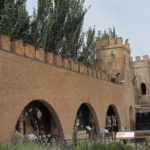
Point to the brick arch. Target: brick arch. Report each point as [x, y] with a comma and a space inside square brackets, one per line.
[94, 115]
[48, 110]
[115, 113]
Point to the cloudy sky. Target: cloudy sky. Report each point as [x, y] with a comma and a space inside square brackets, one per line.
[131, 19]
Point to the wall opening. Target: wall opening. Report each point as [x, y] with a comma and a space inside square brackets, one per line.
[143, 89]
[112, 119]
[86, 123]
[40, 119]
[143, 121]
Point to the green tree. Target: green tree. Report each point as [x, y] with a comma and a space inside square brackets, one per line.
[14, 20]
[88, 54]
[1, 7]
[107, 34]
[73, 36]
[57, 26]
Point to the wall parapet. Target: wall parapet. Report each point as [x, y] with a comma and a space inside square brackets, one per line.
[142, 58]
[112, 43]
[20, 48]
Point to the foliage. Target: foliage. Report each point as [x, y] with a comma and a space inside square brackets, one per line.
[80, 146]
[57, 26]
[107, 34]
[112, 146]
[26, 146]
[88, 53]
[14, 19]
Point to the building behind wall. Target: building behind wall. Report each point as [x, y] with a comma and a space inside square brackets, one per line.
[114, 57]
[141, 67]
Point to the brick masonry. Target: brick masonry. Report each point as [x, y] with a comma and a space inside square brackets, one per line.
[27, 75]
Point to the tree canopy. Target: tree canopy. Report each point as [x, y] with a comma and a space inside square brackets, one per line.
[56, 25]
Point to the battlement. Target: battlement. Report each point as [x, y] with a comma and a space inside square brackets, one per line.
[145, 58]
[112, 43]
[22, 49]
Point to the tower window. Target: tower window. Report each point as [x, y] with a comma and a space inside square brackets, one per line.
[143, 88]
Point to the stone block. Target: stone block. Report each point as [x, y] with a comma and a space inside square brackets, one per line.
[5, 43]
[112, 41]
[71, 65]
[119, 41]
[66, 63]
[89, 71]
[75, 66]
[83, 69]
[59, 60]
[94, 73]
[50, 58]
[104, 76]
[40, 55]
[97, 74]
[19, 48]
[29, 51]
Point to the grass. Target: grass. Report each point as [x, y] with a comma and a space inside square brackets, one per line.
[27, 146]
[112, 146]
[79, 146]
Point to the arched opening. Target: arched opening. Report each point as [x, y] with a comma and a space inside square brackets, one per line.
[39, 118]
[112, 119]
[86, 123]
[143, 89]
[143, 120]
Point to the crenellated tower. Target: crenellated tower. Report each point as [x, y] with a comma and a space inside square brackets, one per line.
[114, 57]
[141, 67]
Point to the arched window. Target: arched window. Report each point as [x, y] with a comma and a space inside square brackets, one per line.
[143, 89]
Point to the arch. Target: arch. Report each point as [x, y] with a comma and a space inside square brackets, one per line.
[39, 118]
[113, 122]
[86, 123]
[143, 89]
